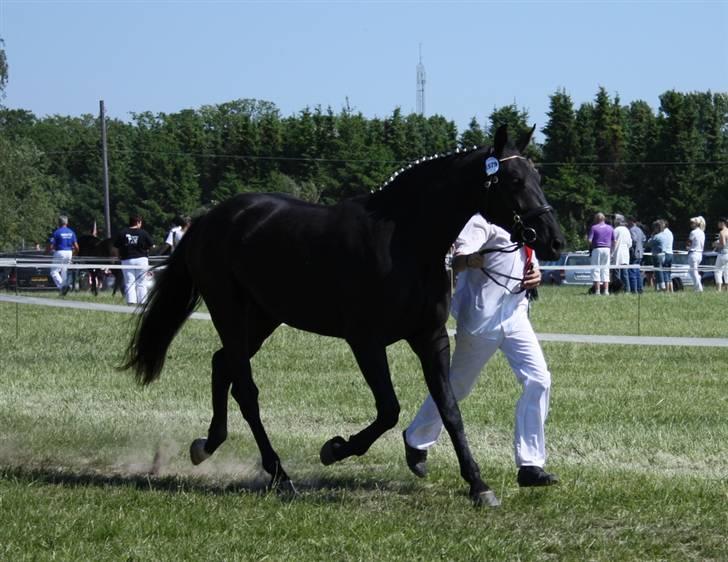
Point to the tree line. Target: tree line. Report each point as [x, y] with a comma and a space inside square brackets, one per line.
[600, 156]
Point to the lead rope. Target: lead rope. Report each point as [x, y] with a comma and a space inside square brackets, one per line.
[531, 294]
[493, 274]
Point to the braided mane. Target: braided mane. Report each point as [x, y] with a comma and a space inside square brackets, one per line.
[404, 172]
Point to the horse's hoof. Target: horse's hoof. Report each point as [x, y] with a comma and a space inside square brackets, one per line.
[285, 489]
[485, 499]
[329, 452]
[197, 451]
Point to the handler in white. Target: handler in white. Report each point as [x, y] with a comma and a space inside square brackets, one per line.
[492, 313]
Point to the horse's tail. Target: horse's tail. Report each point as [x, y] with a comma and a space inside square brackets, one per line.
[170, 302]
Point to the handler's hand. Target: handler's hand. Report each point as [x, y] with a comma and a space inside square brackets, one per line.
[532, 279]
[475, 260]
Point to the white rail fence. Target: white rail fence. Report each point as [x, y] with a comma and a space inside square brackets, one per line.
[572, 338]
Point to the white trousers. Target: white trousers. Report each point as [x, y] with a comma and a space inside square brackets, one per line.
[59, 274]
[526, 358]
[600, 257]
[721, 268]
[694, 259]
[135, 280]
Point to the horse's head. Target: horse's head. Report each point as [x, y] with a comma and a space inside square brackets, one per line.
[513, 199]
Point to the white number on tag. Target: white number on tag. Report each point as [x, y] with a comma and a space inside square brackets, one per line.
[491, 165]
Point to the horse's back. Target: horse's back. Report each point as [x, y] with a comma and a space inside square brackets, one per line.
[325, 269]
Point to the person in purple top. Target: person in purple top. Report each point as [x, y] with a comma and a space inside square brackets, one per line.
[600, 241]
[62, 243]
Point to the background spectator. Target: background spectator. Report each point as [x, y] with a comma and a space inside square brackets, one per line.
[636, 253]
[696, 243]
[721, 262]
[621, 244]
[181, 224]
[600, 241]
[134, 244]
[62, 243]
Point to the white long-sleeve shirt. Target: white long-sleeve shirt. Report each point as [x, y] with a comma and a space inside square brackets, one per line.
[622, 244]
[481, 306]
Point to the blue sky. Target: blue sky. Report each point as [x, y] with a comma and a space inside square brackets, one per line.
[166, 56]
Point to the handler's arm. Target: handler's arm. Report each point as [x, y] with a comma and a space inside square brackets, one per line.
[467, 261]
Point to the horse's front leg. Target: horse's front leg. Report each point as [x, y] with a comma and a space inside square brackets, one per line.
[372, 360]
[433, 350]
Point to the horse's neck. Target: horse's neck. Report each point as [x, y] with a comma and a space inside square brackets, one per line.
[439, 219]
[430, 204]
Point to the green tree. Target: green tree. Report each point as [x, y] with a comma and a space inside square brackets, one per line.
[163, 180]
[357, 170]
[608, 140]
[441, 135]
[473, 135]
[395, 137]
[561, 143]
[518, 127]
[640, 175]
[30, 199]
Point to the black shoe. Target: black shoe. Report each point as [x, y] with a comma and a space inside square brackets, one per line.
[416, 459]
[535, 476]
[65, 290]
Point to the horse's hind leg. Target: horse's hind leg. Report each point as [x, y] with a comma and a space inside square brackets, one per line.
[245, 393]
[222, 379]
[372, 360]
[242, 328]
[201, 449]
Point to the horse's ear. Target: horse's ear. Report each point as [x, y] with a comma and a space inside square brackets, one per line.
[525, 139]
[501, 139]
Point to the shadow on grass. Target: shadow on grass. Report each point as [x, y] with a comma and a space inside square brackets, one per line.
[332, 488]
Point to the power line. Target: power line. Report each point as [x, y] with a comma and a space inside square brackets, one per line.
[369, 161]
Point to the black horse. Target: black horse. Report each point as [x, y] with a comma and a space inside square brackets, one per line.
[259, 260]
[90, 247]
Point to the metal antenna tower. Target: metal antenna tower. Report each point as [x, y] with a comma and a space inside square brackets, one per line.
[421, 85]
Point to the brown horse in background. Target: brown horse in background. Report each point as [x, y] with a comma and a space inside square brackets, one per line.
[97, 250]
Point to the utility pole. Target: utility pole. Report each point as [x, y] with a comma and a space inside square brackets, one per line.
[105, 157]
[421, 85]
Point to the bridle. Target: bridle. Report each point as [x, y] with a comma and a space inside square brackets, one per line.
[520, 232]
[494, 275]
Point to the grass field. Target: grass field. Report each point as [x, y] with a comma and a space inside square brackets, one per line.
[638, 435]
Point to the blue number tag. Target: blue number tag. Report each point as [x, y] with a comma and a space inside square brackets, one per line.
[491, 165]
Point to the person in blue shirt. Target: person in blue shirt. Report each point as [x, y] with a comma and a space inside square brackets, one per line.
[63, 244]
[636, 254]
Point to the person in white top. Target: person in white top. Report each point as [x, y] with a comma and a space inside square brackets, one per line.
[721, 262]
[177, 232]
[696, 244]
[491, 309]
[621, 243]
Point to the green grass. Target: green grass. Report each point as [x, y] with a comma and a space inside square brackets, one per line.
[637, 434]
